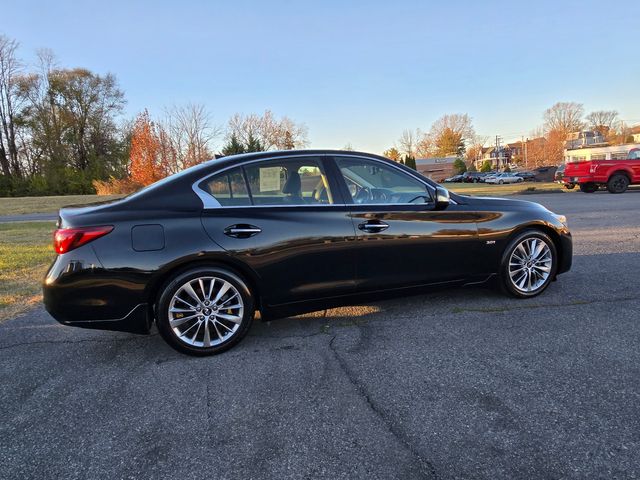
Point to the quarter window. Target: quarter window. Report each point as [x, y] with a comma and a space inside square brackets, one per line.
[288, 182]
[228, 188]
[371, 182]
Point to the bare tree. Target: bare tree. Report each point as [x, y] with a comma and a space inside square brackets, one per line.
[602, 121]
[474, 150]
[458, 123]
[408, 142]
[450, 134]
[186, 134]
[10, 68]
[268, 130]
[564, 117]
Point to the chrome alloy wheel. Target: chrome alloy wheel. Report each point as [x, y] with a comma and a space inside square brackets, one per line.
[530, 264]
[206, 311]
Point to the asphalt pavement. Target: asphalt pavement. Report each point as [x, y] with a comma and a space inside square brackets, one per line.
[459, 384]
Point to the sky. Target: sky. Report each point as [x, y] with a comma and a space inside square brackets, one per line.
[354, 72]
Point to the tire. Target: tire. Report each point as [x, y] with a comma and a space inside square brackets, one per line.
[618, 183]
[537, 274]
[520, 180]
[176, 301]
[500, 182]
[588, 187]
[569, 186]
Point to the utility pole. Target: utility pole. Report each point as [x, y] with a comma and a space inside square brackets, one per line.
[498, 151]
[524, 150]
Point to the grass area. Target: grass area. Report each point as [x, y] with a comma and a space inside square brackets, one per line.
[506, 189]
[21, 205]
[26, 251]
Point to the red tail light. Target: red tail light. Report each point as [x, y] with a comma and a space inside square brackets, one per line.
[66, 239]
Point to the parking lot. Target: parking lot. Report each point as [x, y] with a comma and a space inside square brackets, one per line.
[464, 383]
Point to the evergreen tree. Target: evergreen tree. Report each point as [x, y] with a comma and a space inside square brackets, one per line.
[486, 166]
[410, 162]
[253, 145]
[459, 166]
[233, 147]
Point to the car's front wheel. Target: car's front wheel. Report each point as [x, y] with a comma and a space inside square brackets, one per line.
[204, 311]
[529, 264]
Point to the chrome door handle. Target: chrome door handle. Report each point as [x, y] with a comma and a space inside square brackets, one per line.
[373, 226]
[242, 231]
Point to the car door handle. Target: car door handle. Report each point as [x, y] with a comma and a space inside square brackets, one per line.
[373, 226]
[242, 231]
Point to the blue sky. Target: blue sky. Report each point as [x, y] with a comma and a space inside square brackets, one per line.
[353, 72]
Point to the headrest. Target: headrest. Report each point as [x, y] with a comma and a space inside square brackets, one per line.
[293, 185]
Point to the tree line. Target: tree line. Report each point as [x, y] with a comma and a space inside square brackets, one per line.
[63, 131]
[454, 135]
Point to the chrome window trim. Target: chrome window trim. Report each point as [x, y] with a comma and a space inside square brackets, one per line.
[209, 202]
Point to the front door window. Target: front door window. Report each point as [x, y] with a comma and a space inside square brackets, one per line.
[374, 183]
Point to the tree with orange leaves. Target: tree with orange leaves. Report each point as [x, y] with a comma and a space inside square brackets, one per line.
[145, 167]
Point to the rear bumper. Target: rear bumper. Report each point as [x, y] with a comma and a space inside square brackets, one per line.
[581, 179]
[138, 320]
[78, 291]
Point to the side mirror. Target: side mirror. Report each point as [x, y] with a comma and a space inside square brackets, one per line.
[442, 198]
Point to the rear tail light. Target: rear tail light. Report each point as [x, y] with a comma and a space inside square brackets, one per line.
[66, 239]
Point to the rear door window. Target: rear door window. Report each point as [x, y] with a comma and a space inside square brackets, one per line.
[228, 188]
[296, 181]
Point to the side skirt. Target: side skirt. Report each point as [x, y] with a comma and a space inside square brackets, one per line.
[273, 312]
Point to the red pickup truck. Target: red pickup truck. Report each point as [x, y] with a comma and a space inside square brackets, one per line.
[615, 167]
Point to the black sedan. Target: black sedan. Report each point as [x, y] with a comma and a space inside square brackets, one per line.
[283, 233]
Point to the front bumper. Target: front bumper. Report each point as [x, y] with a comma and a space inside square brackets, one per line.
[566, 254]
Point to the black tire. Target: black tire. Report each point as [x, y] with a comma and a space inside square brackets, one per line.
[618, 183]
[588, 187]
[508, 285]
[500, 182]
[176, 283]
[569, 186]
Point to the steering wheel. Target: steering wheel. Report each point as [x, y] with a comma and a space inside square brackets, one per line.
[363, 195]
[426, 199]
[380, 196]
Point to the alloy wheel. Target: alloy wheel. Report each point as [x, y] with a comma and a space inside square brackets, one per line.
[205, 312]
[530, 264]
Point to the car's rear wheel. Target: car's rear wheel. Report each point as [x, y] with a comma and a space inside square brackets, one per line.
[204, 311]
[588, 187]
[529, 264]
[618, 183]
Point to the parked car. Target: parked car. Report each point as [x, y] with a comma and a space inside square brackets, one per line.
[611, 171]
[454, 179]
[488, 175]
[527, 176]
[504, 178]
[283, 233]
[559, 175]
[472, 177]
